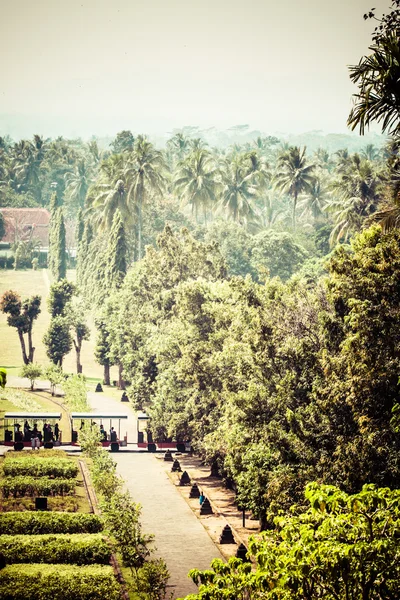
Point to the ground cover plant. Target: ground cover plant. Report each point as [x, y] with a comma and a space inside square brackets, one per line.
[19, 486]
[78, 549]
[36, 523]
[59, 582]
[40, 467]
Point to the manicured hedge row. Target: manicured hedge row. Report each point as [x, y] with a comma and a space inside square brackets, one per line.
[40, 467]
[58, 582]
[78, 549]
[34, 523]
[29, 486]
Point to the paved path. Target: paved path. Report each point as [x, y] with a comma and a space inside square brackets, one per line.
[180, 538]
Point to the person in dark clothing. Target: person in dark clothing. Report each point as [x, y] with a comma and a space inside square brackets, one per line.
[113, 435]
[56, 432]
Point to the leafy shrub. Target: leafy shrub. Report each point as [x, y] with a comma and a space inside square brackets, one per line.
[41, 467]
[78, 549]
[67, 582]
[344, 546]
[29, 486]
[35, 523]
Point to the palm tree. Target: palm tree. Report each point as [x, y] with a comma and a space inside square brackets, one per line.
[378, 76]
[196, 181]
[109, 194]
[370, 152]
[145, 174]
[28, 160]
[315, 200]
[323, 159]
[294, 176]
[356, 196]
[197, 144]
[78, 182]
[178, 145]
[238, 190]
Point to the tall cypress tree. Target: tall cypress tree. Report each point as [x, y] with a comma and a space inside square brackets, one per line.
[83, 249]
[59, 260]
[80, 227]
[116, 252]
[52, 228]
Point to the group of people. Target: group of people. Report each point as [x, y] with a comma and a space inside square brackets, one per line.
[113, 434]
[34, 435]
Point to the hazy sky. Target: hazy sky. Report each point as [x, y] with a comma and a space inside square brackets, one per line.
[89, 66]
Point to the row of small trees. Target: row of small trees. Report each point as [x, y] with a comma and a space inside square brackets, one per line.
[67, 326]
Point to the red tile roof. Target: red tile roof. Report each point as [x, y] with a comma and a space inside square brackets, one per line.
[25, 224]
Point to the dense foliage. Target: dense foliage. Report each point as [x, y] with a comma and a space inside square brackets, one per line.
[340, 547]
[40, 467]
[74, 549]
[66, 582]
[274, 384]
[18, 486]
[36, 523]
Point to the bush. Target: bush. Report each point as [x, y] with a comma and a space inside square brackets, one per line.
[29, 486]
[31, 371]
[40, 467]
[69, 582]
[36, 523]
[78, 549]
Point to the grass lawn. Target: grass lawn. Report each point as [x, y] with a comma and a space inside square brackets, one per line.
[27, 283]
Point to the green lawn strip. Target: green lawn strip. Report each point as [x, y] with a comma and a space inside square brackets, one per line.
[37, 523]
[45, 453]
[77, 549]
[59, 582]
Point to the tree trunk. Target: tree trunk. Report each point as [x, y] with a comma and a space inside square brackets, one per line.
[78, 346]
[30, 347]
[294, 210]
[140, 228]
[106, 378]
[22, 342]
[121, 382]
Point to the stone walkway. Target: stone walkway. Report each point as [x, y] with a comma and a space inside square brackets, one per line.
[180, 538]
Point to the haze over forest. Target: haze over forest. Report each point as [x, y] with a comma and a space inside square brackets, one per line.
[88, 68]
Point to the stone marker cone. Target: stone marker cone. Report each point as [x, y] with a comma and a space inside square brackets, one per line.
[241, 552]
[168, 456]
[194, 492]
[226, 536]
[176, 466]
[185, 479]
[205, 508]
